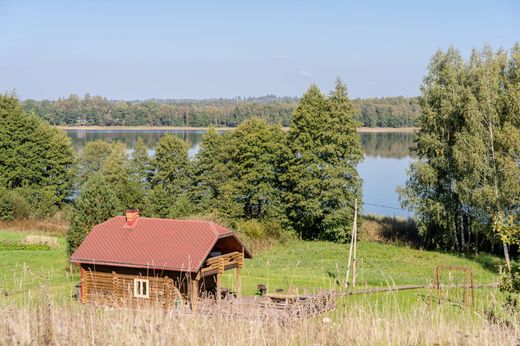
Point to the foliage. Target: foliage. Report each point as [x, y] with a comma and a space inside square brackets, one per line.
[122, 179]
[33, 155]
[509, 284]
[372, 112]
[171, 179]
[254, 155]
[322, 181]
[140, 163]
[465, 186]
[209, 170]
[96, 203]
[92, 159]
[6, 206]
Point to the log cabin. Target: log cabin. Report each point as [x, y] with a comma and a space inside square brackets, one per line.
[131, 260]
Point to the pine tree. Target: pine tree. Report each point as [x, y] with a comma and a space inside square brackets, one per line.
[254, 154]
[118, 174]
[322, 180]
[171, 178]
[33, 155]
[209, 170]
[95, 204]
[92, 159]
[141, 163]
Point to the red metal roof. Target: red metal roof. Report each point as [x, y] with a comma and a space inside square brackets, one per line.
[167, 244]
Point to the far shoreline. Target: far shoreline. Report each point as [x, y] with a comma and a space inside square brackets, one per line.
[193, 128]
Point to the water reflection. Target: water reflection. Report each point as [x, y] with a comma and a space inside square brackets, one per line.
[385, 145]
[394, 145]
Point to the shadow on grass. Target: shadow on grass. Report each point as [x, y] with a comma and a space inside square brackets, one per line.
[388, 229]
[487, 262]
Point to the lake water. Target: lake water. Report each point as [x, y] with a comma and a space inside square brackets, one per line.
[387, 156]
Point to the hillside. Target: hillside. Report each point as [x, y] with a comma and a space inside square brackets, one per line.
[299, 264]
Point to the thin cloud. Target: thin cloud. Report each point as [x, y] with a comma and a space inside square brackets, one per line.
[304, 73]
[281, 58]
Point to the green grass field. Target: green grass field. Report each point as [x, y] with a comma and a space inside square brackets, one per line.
[318, 265]
[295, 265]
[37, 287]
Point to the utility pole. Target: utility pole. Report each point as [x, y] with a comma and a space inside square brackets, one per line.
[352, 247]
[354, 262]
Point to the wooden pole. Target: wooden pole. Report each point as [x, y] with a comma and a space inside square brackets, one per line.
[438, 283]
[218, 291]
[351, 246]
[194, 293]
[354, 263]
[472, 288]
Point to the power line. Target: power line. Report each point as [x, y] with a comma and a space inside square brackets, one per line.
[381, 206]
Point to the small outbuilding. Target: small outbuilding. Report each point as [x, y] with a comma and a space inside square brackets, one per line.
[129, 260]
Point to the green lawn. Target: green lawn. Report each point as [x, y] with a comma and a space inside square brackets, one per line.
[22, 271]
[315, 265]
[299, 264]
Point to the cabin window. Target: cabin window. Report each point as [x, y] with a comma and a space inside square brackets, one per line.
[141, 288]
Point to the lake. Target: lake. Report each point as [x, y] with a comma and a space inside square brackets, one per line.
[387, 156]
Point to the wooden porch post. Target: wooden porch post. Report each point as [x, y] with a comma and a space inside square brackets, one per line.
[218, 292]
[237, 278]
[82, 287]
[237, 274]
[194, 292]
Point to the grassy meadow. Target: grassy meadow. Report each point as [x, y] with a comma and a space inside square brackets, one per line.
[37, 287]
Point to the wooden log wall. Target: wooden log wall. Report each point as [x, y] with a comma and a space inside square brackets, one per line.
[116, 289]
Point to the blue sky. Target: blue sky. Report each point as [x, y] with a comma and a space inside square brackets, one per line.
[200, 49]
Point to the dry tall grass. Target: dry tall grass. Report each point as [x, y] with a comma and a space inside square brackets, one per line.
[44, 322]
[51, 242]
[52, 226]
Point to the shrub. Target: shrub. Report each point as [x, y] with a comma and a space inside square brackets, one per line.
[266, 232]
[6, 206]
[252, 229]
[21, 206]
[43, 200]
[13, 206]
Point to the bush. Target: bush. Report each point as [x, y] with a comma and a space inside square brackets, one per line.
[263, 230]
[252, 229]
[13, 206]
[6, 206]
[21, 206]
[43, 200]
[507, 312]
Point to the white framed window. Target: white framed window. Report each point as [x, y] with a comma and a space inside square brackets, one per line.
[141, 288]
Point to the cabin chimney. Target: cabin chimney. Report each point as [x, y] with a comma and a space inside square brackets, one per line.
[131, 216]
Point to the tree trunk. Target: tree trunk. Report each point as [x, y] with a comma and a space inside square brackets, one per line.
[506, 256]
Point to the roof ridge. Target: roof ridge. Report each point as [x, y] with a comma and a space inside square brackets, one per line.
[170, 219]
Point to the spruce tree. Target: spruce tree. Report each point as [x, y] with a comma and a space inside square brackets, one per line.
[209, 170]
[255, 154]
[96, 203]
[33, 155]
[171, 178]
[92, 159]
[127, 187]
[322, 180]
[140, 163]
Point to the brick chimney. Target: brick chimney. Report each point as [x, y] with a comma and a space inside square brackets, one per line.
[131, 215]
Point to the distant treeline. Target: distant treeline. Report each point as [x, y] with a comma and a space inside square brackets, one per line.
[99, 111]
